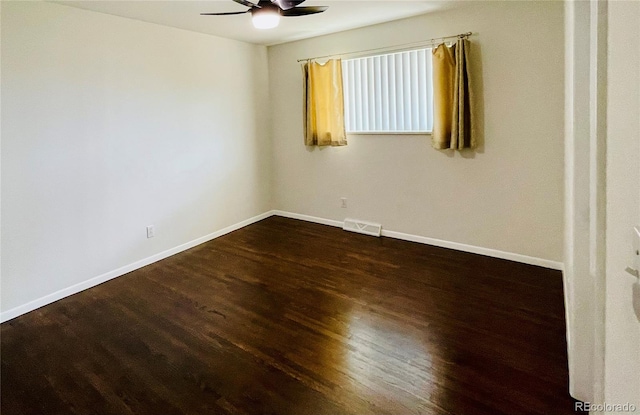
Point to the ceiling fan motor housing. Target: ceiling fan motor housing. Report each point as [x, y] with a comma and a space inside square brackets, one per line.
[265, 6]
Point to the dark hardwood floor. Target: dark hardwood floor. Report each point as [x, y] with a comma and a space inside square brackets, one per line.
[288, 317]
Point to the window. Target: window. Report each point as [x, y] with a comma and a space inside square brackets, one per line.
[390, 93]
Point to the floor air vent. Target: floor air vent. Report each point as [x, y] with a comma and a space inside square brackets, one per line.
[360, 226]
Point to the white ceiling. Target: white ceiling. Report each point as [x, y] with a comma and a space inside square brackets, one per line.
[185, 14]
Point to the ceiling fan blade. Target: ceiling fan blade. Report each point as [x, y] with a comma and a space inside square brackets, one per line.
[245, 3]
[287, 4]
[303, 11]
[224, 13]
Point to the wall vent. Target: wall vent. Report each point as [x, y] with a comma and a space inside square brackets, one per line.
[361, 226]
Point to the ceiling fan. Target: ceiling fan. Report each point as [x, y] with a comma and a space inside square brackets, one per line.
[266, 13]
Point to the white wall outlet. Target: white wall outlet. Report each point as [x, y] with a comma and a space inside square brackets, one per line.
[343, 202]
[151, 231]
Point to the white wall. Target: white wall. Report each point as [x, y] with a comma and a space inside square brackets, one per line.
[508, 197]
[110, 125]
[623, 201]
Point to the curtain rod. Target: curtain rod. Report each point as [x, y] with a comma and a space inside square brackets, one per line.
[392, 48]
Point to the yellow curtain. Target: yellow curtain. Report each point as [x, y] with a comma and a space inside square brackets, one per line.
[323, 104]
[453, 110]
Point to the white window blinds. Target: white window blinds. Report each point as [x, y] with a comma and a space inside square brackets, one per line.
[389, 93]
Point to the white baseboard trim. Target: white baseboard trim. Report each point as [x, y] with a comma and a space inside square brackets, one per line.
[307, 218]
[76, 288]
[525, 259]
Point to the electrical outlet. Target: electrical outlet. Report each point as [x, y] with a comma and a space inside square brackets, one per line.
[151, 231]
[343, 201]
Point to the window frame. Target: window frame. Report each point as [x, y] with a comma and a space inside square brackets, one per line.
[428, 90]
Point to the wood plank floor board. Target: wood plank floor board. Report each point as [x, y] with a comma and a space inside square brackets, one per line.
[289, 317]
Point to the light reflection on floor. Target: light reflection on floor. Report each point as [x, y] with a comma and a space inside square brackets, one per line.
[383, 355]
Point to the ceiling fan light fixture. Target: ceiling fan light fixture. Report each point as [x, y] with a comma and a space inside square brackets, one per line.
[266, 18]
[266, 13]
